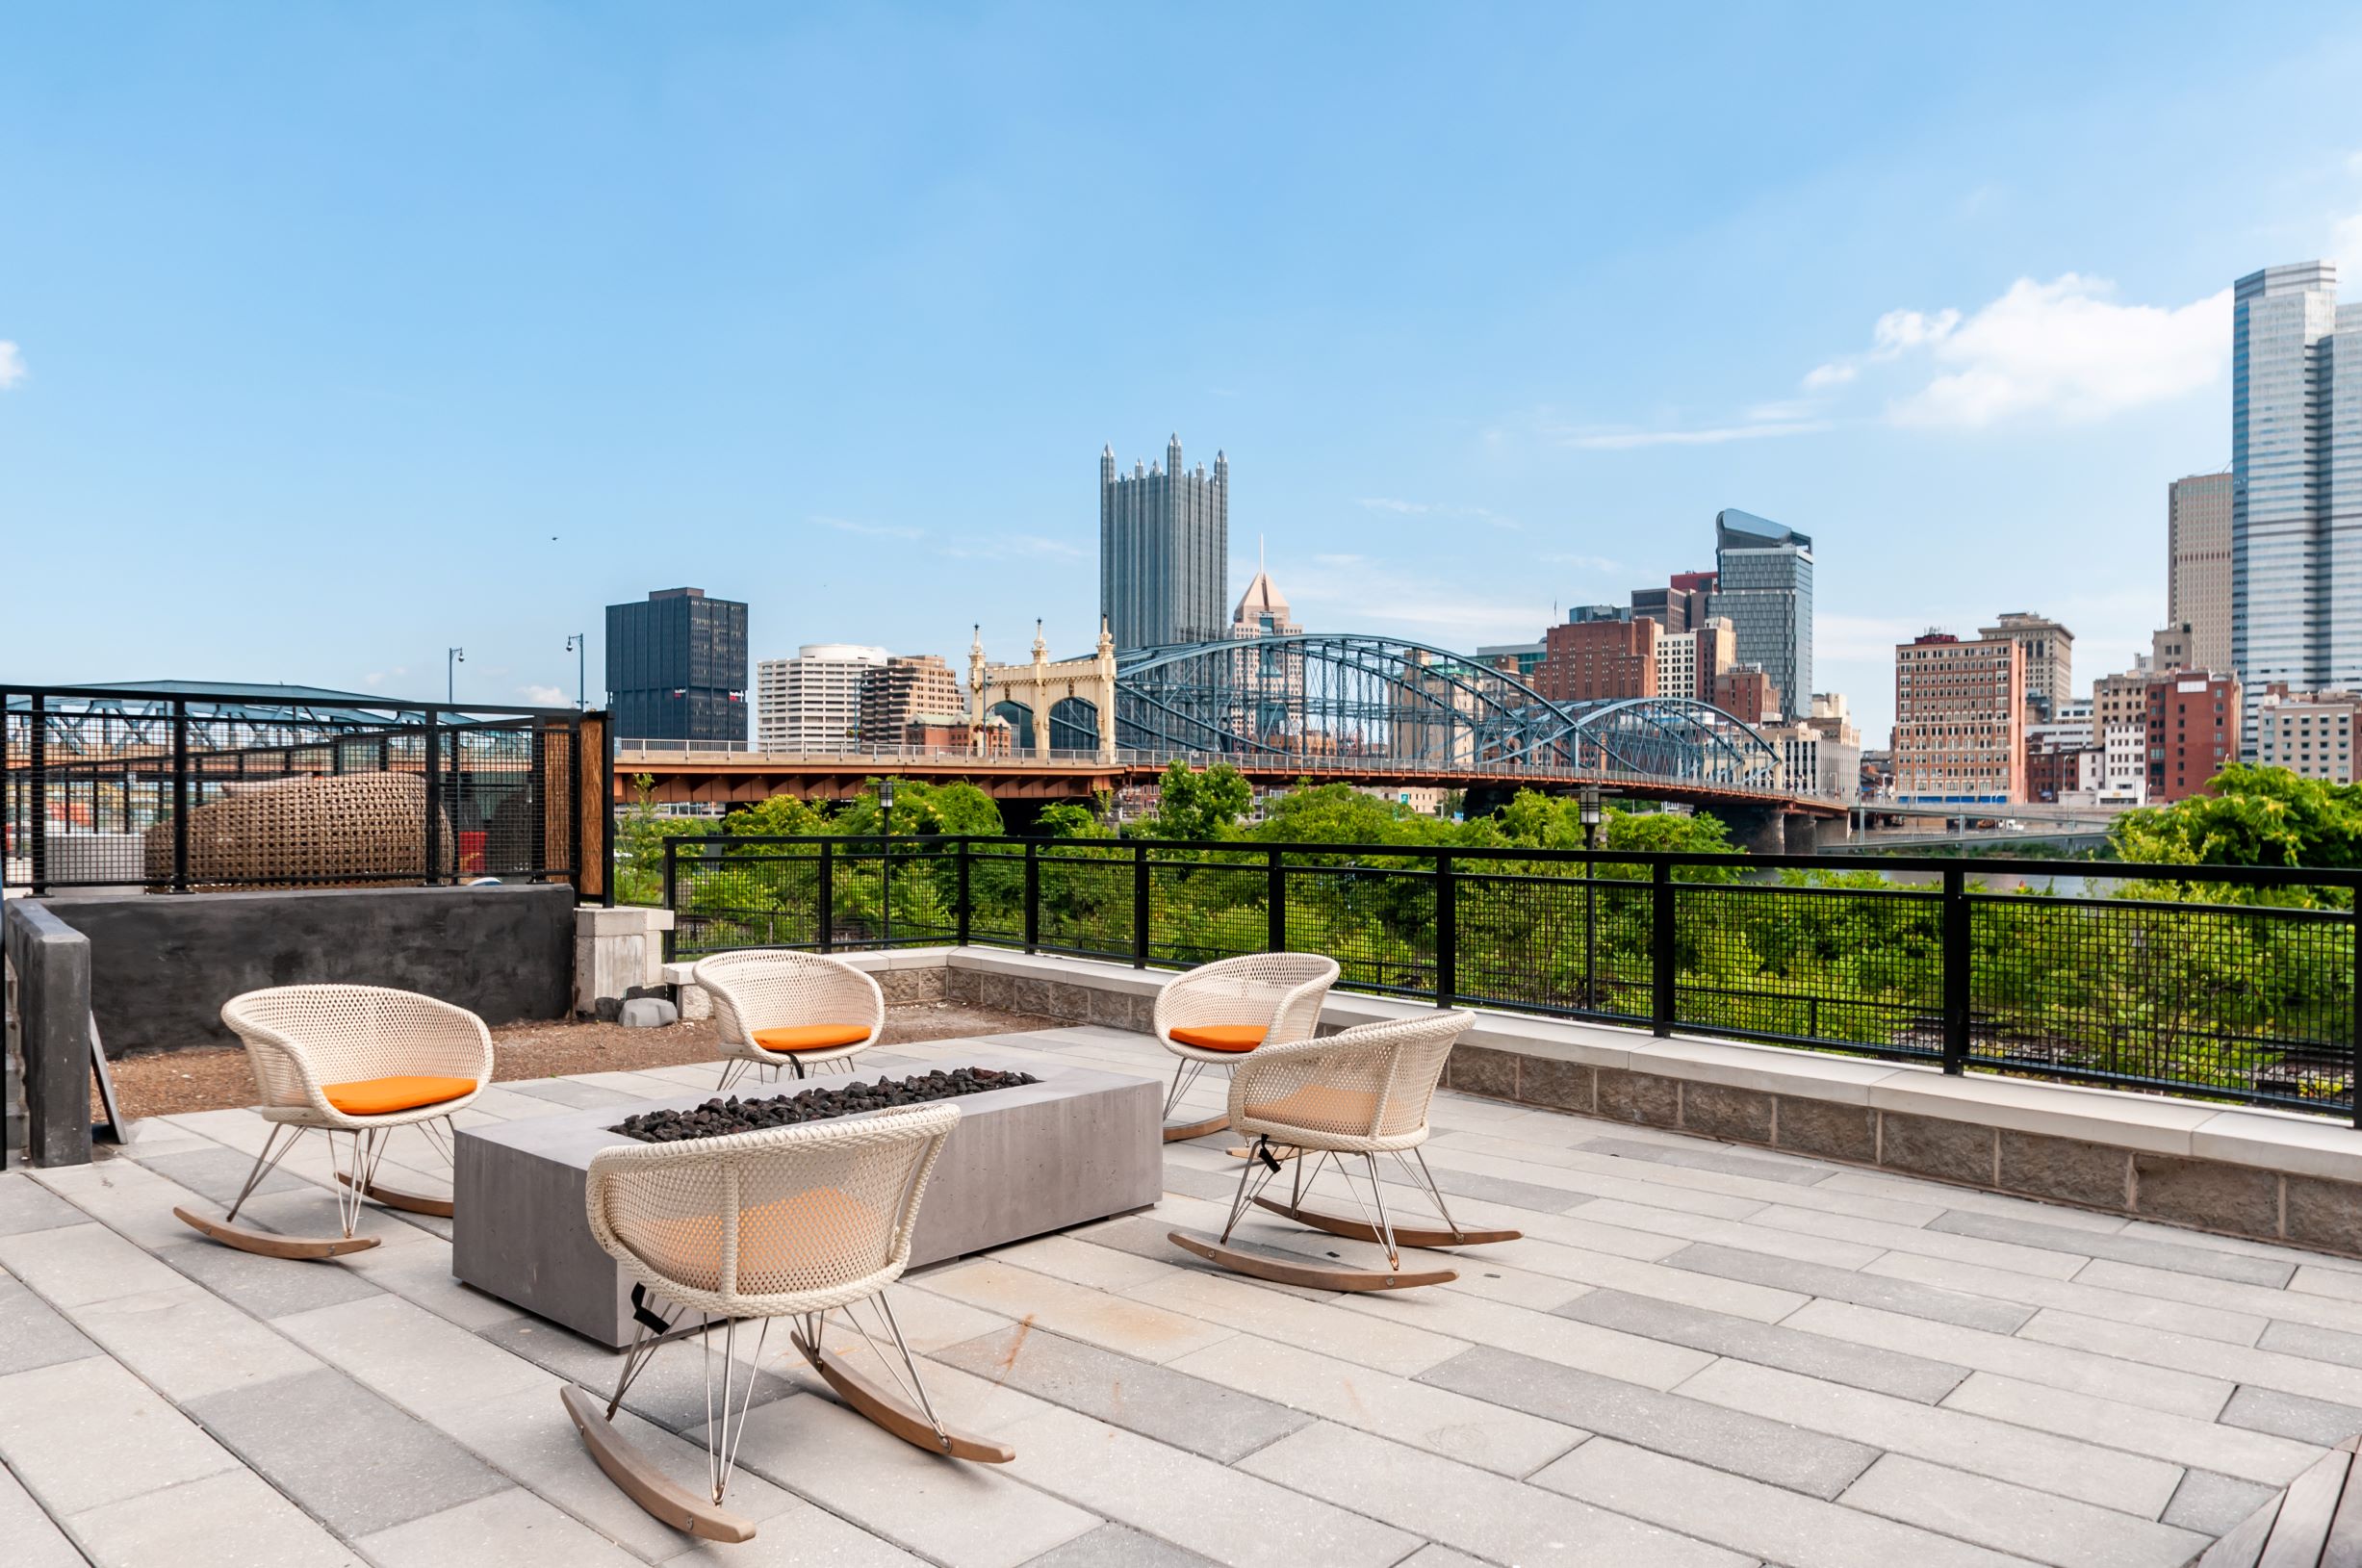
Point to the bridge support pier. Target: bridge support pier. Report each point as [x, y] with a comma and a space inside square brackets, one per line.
[1801, 833]
[1754, 828]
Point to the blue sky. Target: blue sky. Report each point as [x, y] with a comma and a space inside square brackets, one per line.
[333, 336]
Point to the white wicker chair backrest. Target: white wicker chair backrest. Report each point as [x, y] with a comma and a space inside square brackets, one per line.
[1284, 991]
[777, 988]
[1373, 1081]
[342, 1034]
[757, 1220]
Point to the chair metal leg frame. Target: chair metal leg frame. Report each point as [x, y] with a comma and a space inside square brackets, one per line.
[904, 1410]
[439, 1135]
[368, 1148]
[639, 1479]
[722, 1440]
[1295, 1269]
[1185, 1075]
[736, 1067]
[1450, 1233]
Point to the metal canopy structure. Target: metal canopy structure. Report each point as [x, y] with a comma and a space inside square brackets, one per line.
[104, 720]
[1344, 695]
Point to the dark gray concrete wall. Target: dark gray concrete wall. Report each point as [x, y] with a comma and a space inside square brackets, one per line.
[161, 965]
[52, 962]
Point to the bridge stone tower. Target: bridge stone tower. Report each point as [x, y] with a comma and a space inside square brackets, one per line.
[1036, 692]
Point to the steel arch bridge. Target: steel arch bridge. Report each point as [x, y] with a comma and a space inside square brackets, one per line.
[1340, 695]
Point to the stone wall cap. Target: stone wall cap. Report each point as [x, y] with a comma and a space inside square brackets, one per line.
[1774, 1070]
[2146, 1122]
[2287, 1141]
[2272, 1139]
[623, 921]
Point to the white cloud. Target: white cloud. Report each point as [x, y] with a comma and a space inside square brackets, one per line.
[1424, 508]
[1370, 595]
[543, 696]
[12, 365]
[1599, 440]
[870, 531]
[2345, 244]
[1861, 637]
[1589, 563]
[1031, 545]
[2065, 347]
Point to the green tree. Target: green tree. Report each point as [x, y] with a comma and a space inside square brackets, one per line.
[1193, 805]
[2250, 816]
[1338, 813]
[640, 833]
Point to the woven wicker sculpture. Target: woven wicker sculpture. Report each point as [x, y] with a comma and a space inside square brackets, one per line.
[355, 827]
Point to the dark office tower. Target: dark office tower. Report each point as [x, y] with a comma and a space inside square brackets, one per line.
[1763, 584]
[1165, 550]
[676, 667]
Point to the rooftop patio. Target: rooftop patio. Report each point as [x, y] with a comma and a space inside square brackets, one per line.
[1698, 1354]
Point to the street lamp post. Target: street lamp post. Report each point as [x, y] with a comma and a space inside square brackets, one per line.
[885, 862]
[1590, 808]
[453, 658]
[578, 645]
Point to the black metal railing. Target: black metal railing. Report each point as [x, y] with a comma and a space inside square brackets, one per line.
[187, 790]
[2230, 983]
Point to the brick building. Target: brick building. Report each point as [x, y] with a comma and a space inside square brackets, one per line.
[1745, 692]
[2192, 731]
[1592, 660]
[903, 688]
[1959, 714]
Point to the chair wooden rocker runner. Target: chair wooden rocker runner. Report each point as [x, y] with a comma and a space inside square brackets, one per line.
[1216, 1013]
[355, 1063]
[774, 1009]
[786, 1222]
[1361, 1092]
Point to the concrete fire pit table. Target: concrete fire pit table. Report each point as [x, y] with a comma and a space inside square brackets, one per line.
[1076, 1146]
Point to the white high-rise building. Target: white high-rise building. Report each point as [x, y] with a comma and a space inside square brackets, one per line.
[2296, 482]
[813, 703]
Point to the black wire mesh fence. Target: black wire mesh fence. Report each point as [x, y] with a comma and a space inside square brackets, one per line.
[180, 790]
[2232, 983]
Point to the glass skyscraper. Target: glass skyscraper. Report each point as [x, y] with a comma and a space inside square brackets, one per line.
[2296, 481]
[676, 667]
[1165, 550]
[1764, 583]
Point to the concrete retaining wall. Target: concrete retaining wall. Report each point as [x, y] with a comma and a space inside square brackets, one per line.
[161, 965]
[49, 971]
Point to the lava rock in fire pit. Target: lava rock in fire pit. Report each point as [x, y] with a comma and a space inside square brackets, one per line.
[720, 1117]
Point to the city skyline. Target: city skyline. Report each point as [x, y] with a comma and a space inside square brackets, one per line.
[313, 316]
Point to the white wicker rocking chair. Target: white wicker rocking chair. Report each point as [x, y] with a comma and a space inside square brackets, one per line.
[1215, 1015]
[785, 1222]
[775, 1007]
[358, 1061]
[1313, 1103]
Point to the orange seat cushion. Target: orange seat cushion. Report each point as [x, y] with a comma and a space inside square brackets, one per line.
[383, 1096]
[805, 1241]
[1319, 1107]
[811, 1037]
[1220, 1037]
